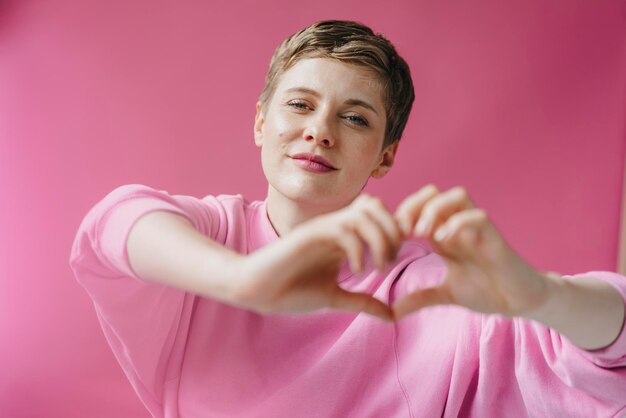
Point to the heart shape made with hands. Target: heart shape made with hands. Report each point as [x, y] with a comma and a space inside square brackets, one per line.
[484, 273]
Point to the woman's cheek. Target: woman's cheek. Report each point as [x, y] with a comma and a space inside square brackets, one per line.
[284, 128]
[369, 147]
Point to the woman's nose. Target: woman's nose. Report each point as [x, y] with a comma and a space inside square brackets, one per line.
[319, 131]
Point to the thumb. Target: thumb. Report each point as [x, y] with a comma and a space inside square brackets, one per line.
[438, 295]
[361, 302]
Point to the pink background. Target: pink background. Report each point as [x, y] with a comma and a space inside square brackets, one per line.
[523, 103]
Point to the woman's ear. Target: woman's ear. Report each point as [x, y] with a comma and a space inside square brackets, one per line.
[259, 120]
[387, 158]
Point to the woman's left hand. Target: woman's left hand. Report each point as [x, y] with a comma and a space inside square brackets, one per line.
[484, 273]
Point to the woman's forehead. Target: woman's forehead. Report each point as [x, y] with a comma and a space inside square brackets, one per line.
[331, 77]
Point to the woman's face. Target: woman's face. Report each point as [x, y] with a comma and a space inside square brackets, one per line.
[323, 108]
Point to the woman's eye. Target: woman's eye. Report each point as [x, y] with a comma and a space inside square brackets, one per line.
[298, 105]
[357, 120]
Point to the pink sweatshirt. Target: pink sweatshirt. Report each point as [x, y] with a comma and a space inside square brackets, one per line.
[188, 356]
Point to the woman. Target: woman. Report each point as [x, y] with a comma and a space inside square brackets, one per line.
[201, 301]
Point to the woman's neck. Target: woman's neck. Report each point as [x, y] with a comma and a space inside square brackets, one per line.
[285, 214]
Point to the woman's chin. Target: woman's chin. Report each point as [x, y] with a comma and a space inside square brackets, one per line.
[314, 195]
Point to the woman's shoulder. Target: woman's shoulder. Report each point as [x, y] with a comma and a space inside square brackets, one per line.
[233, 200]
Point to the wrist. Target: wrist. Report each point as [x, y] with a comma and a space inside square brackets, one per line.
[554, 291]
[254, 279]
[236, 278]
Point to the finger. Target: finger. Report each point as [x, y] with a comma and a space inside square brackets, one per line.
[438, 295]
[463, 230]
[369, 230]
[470, 234]
[374, 236]
[362, 302]
[377, 211]
[438, 209]
[408, 212]
[352, 246]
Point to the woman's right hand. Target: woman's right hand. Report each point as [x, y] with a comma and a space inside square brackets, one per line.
[298, 273]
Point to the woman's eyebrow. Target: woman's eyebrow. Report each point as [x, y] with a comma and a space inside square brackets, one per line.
[303, 90]
[351, 102]
[357, 102]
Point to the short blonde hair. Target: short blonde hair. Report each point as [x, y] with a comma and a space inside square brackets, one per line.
[356, 44]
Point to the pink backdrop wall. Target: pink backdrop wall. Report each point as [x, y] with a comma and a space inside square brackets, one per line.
[523, 103]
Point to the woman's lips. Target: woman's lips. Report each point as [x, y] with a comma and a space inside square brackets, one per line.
[313, 163]
[312, 166]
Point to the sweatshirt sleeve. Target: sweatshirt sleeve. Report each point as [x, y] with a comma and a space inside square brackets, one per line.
[594, 381]
[143, 321]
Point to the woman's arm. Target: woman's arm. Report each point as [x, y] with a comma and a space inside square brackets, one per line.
[588, 311]
[164, 247]
[295, 274]
[486, 275]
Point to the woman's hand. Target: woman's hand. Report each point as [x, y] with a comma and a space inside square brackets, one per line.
[484, 272]
[298, 273]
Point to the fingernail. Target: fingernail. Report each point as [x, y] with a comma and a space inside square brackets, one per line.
[406, 229]
[441, 234]
[422, 227]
